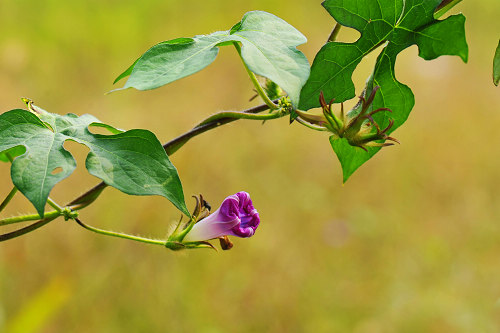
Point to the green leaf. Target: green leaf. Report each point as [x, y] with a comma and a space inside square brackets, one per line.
[133, 161]
[177, 41]
[170, 61]
[434, 41]
[268, 49]
[126, 73]
[395, 25]
[9, 154]
[496, 66]
[350, 159]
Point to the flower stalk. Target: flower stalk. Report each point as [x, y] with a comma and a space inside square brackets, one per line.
[255, 82]
[119, 234]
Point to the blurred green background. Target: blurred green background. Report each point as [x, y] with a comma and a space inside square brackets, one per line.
[411, 243]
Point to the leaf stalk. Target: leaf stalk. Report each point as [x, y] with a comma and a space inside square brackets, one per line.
[444, 7]
[54, 205]
[335, 32]
[255, 82]
[7, 199]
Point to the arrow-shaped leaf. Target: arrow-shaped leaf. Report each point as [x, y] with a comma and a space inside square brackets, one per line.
[133, 161]
[396, 25]
[268, 49]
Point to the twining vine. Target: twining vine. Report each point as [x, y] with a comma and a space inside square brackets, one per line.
[136, 163]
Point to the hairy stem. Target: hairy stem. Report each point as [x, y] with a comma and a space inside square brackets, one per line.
[173, 145]
[30, 217]
[9, 197]
[120, 235]
[241, 115]
[255, 82]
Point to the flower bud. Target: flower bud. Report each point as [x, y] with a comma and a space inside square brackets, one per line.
[356, 126]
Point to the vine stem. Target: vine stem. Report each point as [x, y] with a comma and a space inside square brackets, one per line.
[120, 235]
[30, 217]
[170, 147]
[241, 115]
[27, 229]
[8, 198]
[175, 144]
[255, 82]
[92, 194]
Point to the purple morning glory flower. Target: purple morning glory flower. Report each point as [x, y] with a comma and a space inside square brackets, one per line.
[235, 217]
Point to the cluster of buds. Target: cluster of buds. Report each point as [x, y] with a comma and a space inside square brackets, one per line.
[236, 216]
[356, 125]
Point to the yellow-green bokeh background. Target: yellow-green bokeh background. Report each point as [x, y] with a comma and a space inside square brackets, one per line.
[410, 244]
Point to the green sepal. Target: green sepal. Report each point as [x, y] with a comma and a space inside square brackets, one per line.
[176, 246]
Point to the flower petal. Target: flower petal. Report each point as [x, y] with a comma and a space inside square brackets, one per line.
[236, 216]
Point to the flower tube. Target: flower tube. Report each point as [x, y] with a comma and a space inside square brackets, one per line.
[235, 217]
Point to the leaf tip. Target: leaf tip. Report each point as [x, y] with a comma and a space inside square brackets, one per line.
[40, 209]
[115, 90]
[346, 174]
[117, 79]
[465, 55]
